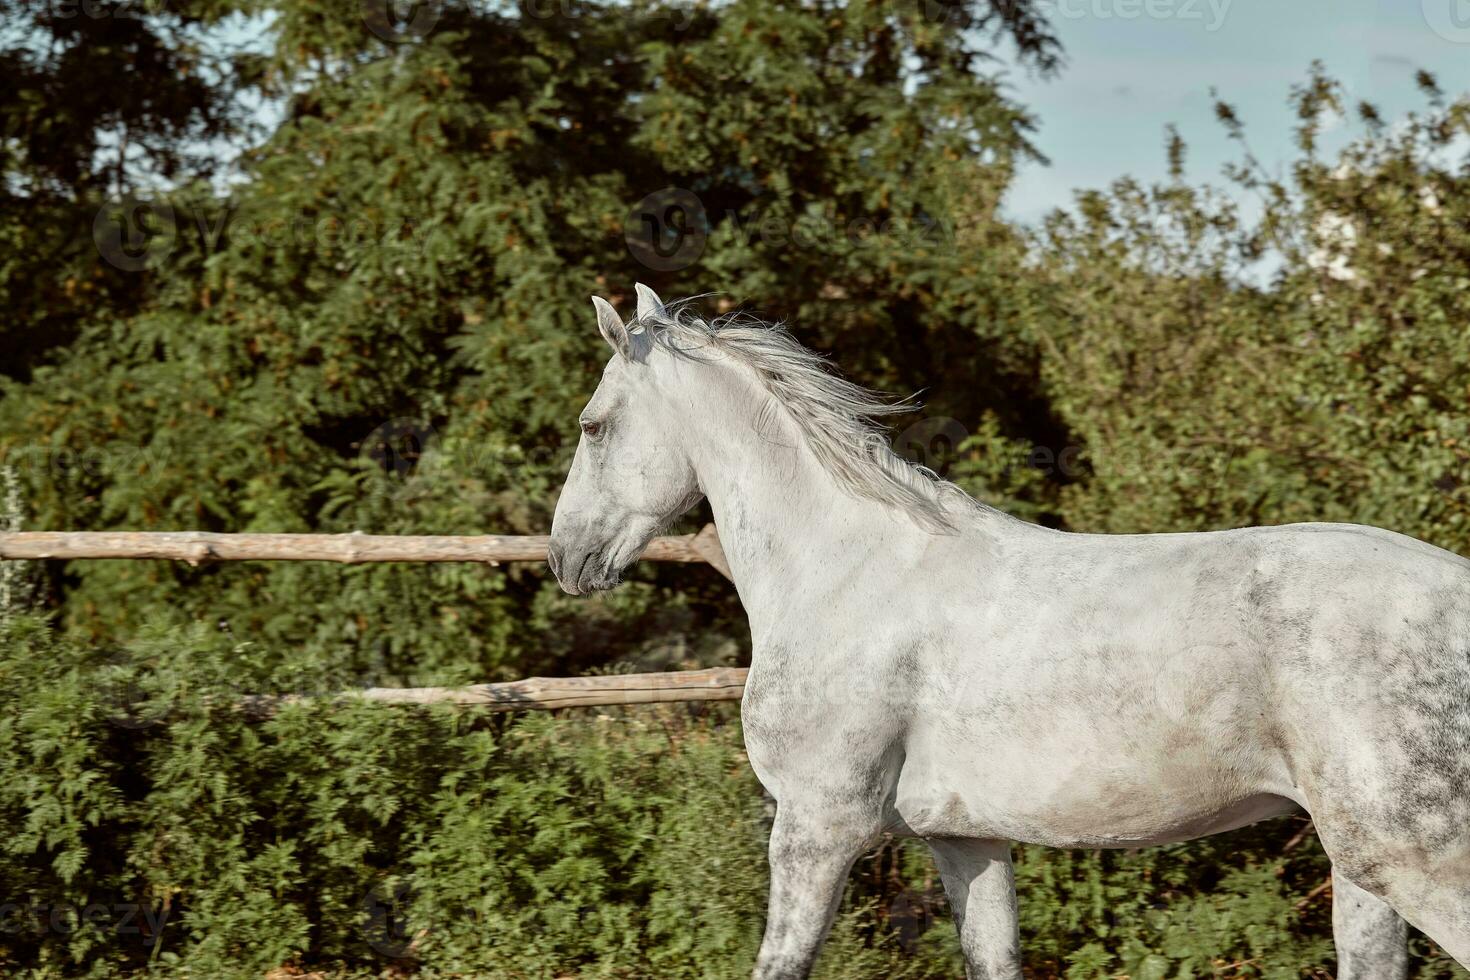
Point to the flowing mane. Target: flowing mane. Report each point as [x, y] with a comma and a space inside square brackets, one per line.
[839, 420]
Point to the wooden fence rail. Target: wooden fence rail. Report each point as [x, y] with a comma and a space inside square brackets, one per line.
[197, 547]
[544, 693]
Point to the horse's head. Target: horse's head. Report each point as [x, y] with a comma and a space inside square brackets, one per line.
[630, 476]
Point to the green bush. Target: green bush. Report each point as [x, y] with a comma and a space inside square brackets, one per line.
[617, 842]
[158, 827]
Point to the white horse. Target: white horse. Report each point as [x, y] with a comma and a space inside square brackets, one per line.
[925, 665]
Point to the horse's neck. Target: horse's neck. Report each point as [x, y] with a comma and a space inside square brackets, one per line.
[786, 527]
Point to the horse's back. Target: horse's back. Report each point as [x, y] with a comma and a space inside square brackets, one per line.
[1306, 621]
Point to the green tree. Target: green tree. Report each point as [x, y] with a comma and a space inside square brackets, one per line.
[103, 100]
[1335, 392]
[385, 327]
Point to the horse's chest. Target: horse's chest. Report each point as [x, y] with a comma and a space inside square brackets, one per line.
[804, 725]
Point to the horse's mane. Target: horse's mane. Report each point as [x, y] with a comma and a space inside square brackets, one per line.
[840, 420]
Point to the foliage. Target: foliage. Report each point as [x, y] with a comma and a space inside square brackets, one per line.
[155, 825]
[1338, 392]
[74, 133]
[158, 827]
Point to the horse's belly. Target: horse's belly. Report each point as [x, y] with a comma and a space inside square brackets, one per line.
[1095, 823]
[1084, 799]
[1163, 825]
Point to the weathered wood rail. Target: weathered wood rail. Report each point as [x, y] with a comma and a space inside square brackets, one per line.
[199, 547]
[544, 693]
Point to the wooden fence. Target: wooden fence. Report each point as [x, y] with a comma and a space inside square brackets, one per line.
[547, 693]
[198, 547]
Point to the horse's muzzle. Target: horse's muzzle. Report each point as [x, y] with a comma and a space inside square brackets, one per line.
[581, 570]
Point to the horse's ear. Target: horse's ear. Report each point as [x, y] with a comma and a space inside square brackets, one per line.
[649, 305]
[610, 325]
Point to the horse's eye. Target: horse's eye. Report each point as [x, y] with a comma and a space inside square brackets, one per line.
[590, 429]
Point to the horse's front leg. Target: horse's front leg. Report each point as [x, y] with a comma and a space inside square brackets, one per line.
[981, 885]
[811, 853]
[1371, 938]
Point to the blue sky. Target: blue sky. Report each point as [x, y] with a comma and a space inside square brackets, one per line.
[1134, 66]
